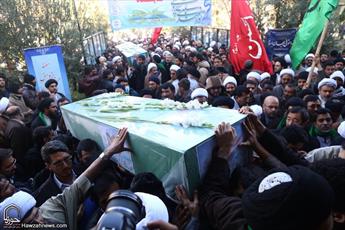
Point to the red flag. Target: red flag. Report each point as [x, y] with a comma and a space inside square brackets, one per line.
[245, 41]
[155, 35]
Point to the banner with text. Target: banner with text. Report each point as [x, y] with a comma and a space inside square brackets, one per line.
[47, 63]
[158, 13]
[279, 42]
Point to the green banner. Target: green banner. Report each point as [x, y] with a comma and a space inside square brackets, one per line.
[319, 11]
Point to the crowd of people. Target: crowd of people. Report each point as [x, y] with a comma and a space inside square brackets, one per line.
[291, 173]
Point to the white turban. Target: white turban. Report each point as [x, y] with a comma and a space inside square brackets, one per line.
[336, 74]
[199, 92]
[4, 102]
[174, 67]
[341, 129]
[229, 79]
[316, 70]
[176, 47]
[188, 48]
[16, 206]
[257, 109]
[167, 54]
[102, 58]
[178, 43]
[287, 71]
[264, 76]
[158, 50]
[210, 49]
[185, 43]
[193, 49]
[309, 55]
[327, 81]
[255, 75]
[116, 58]
[155, 210]
[287, 58]
[150, 66]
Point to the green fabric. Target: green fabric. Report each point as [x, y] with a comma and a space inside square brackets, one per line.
[41, 116]
[282, 123]
[316, 132]
[319, 11]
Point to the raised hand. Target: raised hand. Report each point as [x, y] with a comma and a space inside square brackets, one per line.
[225, 136]
[117, 142]
[193, 206]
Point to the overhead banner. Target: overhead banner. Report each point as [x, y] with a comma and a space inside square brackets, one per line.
[47, 63]
[158, 13]
[279, 41]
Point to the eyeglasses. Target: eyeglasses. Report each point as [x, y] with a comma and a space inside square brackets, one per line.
[60, 163]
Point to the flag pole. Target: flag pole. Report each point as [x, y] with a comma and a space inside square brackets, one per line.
[317, 53]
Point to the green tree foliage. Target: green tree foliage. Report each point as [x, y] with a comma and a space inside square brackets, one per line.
[282, 14]
[34, 23]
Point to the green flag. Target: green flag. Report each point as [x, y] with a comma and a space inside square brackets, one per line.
[319, 11]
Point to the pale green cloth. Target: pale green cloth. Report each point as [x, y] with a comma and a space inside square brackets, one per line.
[63, 208]
[323, 153]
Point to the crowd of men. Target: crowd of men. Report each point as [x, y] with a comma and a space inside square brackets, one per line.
[291, 173]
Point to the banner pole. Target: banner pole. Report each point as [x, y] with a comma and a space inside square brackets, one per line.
[317, 53]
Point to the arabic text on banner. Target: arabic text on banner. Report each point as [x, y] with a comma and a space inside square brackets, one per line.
[47, 63]
[279, 41]
[158, 13]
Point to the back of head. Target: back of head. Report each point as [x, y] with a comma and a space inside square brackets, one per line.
[293, 198]
[147, 182]
[333, 170]
[44, 104]
[181, 73]
[294, 102]
[87, 145]
[295, 134]
[28, 78]
[184, 83]
[240, 90]
[223, 101]
[335, 105]
[40, 134]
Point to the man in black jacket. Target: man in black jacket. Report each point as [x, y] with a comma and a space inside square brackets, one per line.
[137, 80]
[58, 160]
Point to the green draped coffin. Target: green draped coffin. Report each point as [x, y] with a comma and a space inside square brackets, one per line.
[174, 141]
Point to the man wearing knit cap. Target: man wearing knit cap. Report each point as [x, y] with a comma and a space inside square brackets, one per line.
[326, 89]
[286, 76]
[230, 85]
[214, 88]
[338, 76]
[51, 86]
